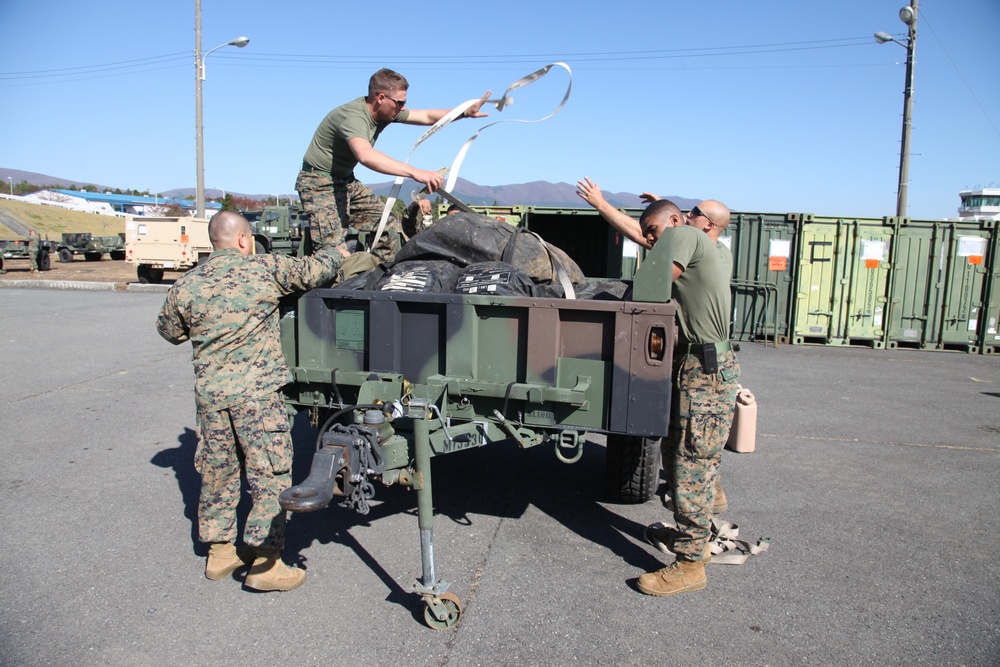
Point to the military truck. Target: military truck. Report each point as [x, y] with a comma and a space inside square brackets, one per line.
[277, 229]
[18, 249]
[93, 248]
[394, 378]
[156, 245]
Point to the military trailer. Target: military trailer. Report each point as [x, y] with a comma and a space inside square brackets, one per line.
[156, 245]
[93, 248]
[393, 379]
[18, 249]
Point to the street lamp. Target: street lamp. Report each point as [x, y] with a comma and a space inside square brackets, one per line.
[11, 182]
[199, 76]
[907, 15]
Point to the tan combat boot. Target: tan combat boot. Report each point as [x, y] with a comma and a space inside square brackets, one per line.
[681, 576]
[224, 559]
[721, 504]
[269, 573]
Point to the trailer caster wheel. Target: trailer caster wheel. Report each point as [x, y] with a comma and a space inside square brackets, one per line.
[448, 607]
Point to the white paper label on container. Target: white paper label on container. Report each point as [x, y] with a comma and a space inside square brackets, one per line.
[970, 246]
[780, 248]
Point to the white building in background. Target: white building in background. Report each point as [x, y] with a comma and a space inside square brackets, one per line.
[107, 203]
[979, 204]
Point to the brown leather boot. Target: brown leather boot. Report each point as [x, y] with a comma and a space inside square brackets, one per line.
[224, 559]
[681, 576]
[269, 573]
[721, 504]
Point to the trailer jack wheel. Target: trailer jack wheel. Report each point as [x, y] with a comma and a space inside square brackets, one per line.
[442, 611]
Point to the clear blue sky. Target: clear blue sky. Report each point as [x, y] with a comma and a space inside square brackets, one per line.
[767, 106]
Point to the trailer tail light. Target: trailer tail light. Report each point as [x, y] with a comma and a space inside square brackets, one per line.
[657, 343]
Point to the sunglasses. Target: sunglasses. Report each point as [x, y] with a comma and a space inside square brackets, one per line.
[399, 103]
[698, 213]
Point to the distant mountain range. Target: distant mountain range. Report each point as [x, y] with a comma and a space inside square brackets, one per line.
[536, 193]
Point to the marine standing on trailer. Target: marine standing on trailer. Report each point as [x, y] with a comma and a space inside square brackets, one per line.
[346, 137]
[228, 309]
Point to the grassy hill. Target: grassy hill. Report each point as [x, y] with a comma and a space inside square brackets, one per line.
[51, 221]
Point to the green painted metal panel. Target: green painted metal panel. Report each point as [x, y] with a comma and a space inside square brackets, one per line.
[763, 245]
[843, 288]
[917, 272]
[990, 321]
[818, 290]
[964, 285]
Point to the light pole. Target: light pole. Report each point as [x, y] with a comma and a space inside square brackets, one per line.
[11, 182]
[907, 15]
[199, 76]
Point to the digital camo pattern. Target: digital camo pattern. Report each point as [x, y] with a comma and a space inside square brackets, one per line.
[692, 451]
[228, 309]
[343, 204]
[257, 430]
[33, 251]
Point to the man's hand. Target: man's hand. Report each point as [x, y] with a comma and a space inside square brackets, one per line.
[473, 111]
[649, 197]
[432, 180]
[425, 206]
[590, 192]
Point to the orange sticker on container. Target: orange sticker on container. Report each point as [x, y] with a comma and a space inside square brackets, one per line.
[777, 263]
[975, 259]
[184, 238]
[871, 263]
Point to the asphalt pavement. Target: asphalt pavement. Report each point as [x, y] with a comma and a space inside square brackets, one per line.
[874, 476]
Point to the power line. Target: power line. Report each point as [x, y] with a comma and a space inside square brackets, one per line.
[139, 65]
[923, 17]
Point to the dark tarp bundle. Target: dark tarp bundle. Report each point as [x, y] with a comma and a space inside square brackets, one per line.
[500, 279]
[470, 238]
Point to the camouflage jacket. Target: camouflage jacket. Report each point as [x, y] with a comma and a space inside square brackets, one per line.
[228, 309]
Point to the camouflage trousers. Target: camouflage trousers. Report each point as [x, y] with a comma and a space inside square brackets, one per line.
[336, 205]
[33, 254]
[702, 414]
[254, 436]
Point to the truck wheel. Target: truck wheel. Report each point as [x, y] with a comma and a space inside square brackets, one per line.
[148, 274]
[633, 467]
[117, 254]
[258, 248]
[65, 255]
[92, 256]
[44, 263]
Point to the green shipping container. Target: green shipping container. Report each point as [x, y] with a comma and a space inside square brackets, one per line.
[843, 280]
[764, 274]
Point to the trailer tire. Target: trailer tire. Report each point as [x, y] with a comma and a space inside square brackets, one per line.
[43, 260]
[117, 254]
[149, 275]
[65, 255]
[633, 468]
[92, 256]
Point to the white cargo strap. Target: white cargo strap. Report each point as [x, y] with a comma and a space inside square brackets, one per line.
[725, 547]
[727, 550]
[456, 113]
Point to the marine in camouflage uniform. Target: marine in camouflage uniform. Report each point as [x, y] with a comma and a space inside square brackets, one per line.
[228, 309]
[346, 136]
[33, 250]
[704, 398]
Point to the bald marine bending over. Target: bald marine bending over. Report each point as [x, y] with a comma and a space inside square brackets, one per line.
[228, 309]
[704, 395]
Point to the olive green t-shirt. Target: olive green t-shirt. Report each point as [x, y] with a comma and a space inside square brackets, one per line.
[328, 150]
[702, 290]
